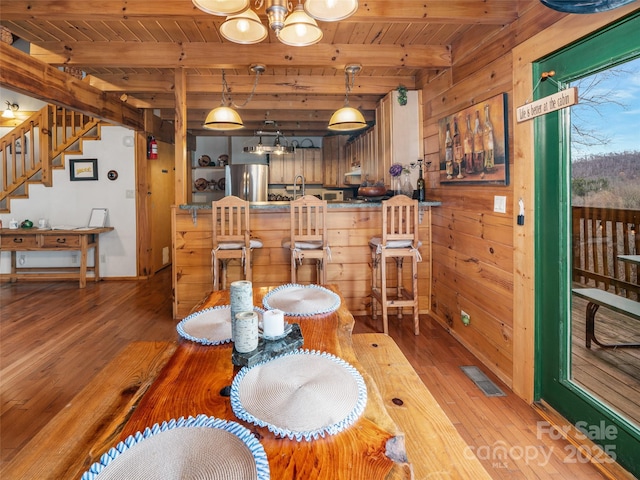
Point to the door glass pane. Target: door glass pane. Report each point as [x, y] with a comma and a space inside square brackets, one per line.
[605, 198]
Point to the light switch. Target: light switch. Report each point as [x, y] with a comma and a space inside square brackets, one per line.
[499, 204]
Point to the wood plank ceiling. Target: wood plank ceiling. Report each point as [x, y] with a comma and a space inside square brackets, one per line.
[131, 49]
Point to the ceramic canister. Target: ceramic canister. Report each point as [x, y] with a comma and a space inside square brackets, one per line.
[241, 299]
[246, 331]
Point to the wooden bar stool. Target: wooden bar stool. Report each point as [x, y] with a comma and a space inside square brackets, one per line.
[399, 240]
[308, 238]
[231, 238]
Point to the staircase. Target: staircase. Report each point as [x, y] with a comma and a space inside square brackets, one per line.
[31, 151]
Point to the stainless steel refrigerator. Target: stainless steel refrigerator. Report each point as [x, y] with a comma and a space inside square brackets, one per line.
[248, 181]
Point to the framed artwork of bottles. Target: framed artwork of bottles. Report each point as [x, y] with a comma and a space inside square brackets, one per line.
[473, 144]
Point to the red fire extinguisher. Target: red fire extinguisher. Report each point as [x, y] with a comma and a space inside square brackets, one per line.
[152, 148]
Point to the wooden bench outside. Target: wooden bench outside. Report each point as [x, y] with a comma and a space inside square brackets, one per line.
[90, 424]
[599, 298]
[432, 442]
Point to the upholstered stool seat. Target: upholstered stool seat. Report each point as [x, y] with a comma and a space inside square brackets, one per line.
[399, 240]
[231, 239]
[308, 236]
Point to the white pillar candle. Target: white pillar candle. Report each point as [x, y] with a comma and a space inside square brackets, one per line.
[246, 332]
[273, 323]
[241, 299]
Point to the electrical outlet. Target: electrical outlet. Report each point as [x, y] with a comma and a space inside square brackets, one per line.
[22, 260]
[465, 317]
[74, 259]
[103, 258]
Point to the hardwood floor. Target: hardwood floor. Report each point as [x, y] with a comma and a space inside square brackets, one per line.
[54, 337]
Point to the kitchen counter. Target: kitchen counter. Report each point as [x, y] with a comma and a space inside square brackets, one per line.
[350, 227]
[285, 204]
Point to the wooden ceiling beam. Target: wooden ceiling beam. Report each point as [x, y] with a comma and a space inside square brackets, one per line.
[26, 75]
[243, 84]
[203, 55]
[495, 12]
[278, 116]
[267, 102]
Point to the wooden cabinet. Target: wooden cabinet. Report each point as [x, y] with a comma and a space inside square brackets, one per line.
[281, 169]
[362, 155]
[334, 160]
[311, 164]
[399, 133]
[305, 161]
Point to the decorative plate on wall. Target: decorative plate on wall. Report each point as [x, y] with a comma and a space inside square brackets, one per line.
[204, 161]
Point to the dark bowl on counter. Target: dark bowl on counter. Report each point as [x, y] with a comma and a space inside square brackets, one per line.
[372, 191]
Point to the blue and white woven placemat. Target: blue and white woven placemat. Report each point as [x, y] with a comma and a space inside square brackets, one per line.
[301, 300]
[202, 448]
[301, 395]
[211, 326]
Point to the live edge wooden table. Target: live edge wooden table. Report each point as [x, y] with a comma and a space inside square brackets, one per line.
[34, 239]
[150, 382]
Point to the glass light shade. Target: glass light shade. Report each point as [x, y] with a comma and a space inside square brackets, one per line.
[223, 118]
[299, 29]
[346, 119]
[330, 10]
[222, 7]
[8, 113]
[245, 28]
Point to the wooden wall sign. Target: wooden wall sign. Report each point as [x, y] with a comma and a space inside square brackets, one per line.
[548, 104]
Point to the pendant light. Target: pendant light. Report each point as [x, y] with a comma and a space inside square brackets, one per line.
[330, 10]
[348, 118]
[300, 29]
[222, 7]
[225, 117]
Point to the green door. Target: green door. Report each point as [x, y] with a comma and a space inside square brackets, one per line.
[607, 425]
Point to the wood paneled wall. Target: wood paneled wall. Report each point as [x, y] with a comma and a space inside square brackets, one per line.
[349, 232]
[473, 247]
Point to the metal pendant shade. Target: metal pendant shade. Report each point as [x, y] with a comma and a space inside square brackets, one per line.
[223, 118]
[222, 7]
[330, 10]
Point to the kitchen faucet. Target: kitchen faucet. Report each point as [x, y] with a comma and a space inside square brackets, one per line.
[295, 182]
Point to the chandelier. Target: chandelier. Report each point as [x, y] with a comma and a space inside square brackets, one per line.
[293, 26]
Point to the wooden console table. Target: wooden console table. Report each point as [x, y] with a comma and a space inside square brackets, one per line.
[24, 240]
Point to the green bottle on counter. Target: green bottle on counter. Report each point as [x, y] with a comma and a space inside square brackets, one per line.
[421, 187]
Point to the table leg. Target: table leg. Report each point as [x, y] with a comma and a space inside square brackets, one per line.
[83, 260]
[13, 278]
[592, 308]
[96, 259]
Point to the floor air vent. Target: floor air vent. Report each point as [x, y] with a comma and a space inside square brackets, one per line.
[483, 382]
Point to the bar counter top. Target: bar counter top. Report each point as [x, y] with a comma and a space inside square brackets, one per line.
[285, 204]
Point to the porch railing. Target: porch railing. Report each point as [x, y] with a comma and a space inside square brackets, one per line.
[600, 235]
